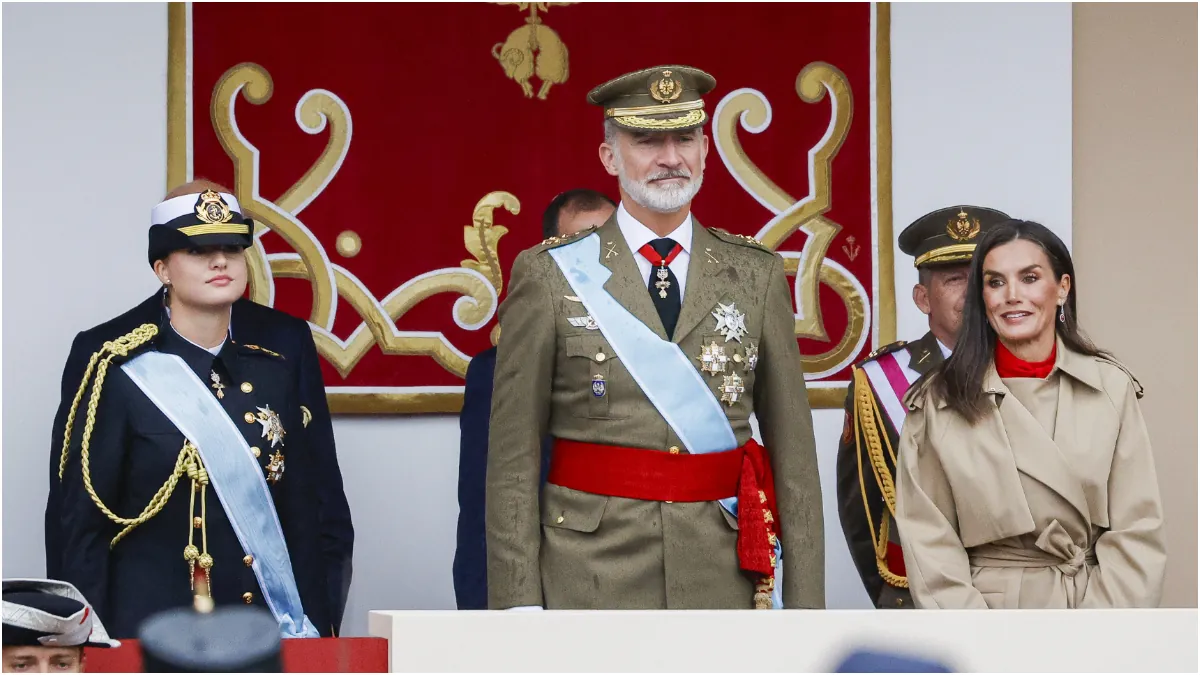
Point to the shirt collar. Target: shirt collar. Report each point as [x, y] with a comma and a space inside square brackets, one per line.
[638, 235]
[944, 348]
[167, 312]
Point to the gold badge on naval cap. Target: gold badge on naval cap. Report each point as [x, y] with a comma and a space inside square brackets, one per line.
[211, 208]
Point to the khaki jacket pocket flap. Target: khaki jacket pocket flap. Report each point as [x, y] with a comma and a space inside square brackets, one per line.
[569, 509]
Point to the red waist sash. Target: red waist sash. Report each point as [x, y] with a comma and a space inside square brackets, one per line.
[650, 475]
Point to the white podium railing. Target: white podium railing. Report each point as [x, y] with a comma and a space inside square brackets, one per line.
[1153, 640]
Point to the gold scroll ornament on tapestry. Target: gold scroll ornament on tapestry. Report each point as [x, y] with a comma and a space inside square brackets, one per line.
[480, 281]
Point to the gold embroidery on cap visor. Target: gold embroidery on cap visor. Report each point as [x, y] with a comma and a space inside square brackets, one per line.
[946, 254]
[692, 119]
[654, 109]
[230, 228]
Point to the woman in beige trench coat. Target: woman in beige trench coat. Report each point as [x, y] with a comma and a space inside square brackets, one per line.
[1025, 476]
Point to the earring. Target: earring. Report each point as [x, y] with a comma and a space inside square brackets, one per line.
[1062, 314]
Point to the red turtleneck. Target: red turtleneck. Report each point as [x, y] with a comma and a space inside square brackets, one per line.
[1009, 365]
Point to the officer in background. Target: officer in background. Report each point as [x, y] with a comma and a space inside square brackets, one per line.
[187, 458]
[568, 213]
[941, 244]
[46, 626]
[252, 323]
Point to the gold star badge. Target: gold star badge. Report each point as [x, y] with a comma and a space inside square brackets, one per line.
[712, 358]
[732, 389]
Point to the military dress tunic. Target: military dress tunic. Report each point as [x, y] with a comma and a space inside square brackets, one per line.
[557, 373]
[865, 467]
[133, 450]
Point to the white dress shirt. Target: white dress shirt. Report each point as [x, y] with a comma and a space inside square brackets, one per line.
[638, 235]
[944, 348]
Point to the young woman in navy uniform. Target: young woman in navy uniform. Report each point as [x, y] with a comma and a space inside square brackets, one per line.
[151, 515]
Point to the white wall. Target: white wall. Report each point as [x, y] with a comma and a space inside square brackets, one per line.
[981, 114]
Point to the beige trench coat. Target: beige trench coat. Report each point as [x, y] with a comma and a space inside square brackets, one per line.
[1001, 515]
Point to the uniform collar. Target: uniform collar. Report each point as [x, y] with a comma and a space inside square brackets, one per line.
[638, 235]
[199, 359]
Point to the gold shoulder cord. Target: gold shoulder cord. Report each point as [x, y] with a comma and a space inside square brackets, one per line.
[188, 462]
[868, 426]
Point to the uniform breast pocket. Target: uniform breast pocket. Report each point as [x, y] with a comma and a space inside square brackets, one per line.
[729, 371]
[592, 369]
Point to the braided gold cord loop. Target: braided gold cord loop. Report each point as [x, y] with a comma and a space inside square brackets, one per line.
[119, 347]
[868, 428]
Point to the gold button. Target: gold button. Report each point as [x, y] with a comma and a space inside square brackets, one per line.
[248, 560]
[197, 522]
[674, 450]
[600, 357]
[737, 357]
[899, 602]
[247, 598]
[256, 451]
[559, 520]
[247, 387]
[249, 417]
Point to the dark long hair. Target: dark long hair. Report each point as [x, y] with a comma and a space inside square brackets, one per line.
[959, 380]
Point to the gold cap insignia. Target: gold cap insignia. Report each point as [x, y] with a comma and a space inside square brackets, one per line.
[964, 228]
[212, 209]
[666, 89]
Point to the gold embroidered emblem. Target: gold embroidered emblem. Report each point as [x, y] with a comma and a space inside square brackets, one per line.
[666, 89]
[534, 49]
[964, 228]
[212, 209]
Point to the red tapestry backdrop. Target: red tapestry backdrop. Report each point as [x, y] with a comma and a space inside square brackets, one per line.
[397, 157]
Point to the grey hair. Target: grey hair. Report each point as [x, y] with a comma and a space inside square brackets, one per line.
[610, 132]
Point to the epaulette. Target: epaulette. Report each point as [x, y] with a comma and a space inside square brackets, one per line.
[264, 350]
[554, 242]
[739, 239]
[1138, 389]
[885, 349]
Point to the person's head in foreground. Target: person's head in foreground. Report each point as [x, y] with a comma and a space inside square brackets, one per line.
[46, 626]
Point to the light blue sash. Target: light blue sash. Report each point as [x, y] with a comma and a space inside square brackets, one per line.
[172, 386]
[664, 373]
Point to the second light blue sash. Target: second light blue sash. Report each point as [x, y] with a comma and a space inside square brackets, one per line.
[172, 386]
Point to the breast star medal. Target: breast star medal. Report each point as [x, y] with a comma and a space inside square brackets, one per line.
[730, 322]
[712, 358]
[272, 431]
[732, 389]
[216, 383]
[751, 356]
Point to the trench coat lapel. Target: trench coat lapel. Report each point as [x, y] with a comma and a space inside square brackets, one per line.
[1038, 455]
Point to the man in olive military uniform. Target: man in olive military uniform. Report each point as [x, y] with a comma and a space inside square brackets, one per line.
[643, 347]
[942, 243]
[188, 471]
